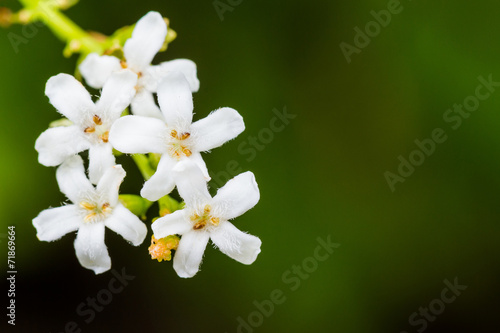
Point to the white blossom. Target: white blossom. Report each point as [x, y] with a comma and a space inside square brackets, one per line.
[147, 39]
[91, 121]
[205, 218]
[92, 209]
[174, 137]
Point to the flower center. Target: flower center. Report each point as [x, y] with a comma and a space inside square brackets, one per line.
[98, 129]
[201, 221]
[177, 145]
[95, 212]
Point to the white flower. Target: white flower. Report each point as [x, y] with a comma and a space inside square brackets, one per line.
[147, 39]
[175, 138]
[206, 218]
[93, 208]
[91, 122]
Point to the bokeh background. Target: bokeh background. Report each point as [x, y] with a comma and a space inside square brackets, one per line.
[322, 176]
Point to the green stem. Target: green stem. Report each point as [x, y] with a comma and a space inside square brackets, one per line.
[65, 29]
[144, 166]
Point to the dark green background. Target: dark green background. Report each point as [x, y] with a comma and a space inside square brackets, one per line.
[322, 175]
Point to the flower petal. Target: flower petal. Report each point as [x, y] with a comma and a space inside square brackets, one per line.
[90, 249]
[191, 183]
[154, 74]
[69, 97]
[176, 101]
[236, 244]
[138, 135]
[117, 94]
[238, 195]
[147, 39]
[100, 159]
[189, 254]
[96, 69]
[109, 184]
[217, 128]
[196, 158]
[72, 179]
[143, 104]
[162, 182]
[171, 224]
[53, 223]
[126, 224]
[56, 144]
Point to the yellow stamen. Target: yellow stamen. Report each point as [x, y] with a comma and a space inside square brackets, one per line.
[87, 205]
[104, 137]
[186, 151]
[200, 225]
[89, 129]
[106, 207]
[215, 220]
[97, 120]
[182, 136]
[90, 217]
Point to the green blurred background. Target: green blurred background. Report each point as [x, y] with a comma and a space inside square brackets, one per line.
[323, 175]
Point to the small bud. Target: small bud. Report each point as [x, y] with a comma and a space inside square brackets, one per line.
[72, 47]
[24, 16]
[136, 204]
[5, 17]
[161, 249]
[164, 211]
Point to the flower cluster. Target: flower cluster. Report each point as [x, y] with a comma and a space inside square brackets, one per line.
[167, 133]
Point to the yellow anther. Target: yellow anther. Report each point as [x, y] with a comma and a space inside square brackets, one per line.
[106, 207]
[215, 220]
[200, 225]
[186, 151]
[89, 129]
[182, 136]
[104, 136]
[90, 217]
[95, 212]
[207, 209]
[97, 120]
[87, 205]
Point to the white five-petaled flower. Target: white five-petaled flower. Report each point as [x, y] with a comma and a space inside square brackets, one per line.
[91, 122]
[93, 209]
[175, 137]
[147, 39]
[205, 218]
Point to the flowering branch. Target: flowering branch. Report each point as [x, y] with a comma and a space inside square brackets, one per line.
[159, 134]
